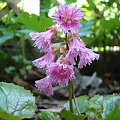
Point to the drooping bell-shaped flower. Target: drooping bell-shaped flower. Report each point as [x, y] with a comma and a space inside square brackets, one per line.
[45, 61]
[43, 39]
[86, 57]
[67, 17]
[45, 85]
[77, 48]
[61, 73]
[74, 50]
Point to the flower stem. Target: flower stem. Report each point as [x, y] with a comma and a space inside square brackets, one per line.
[70, 81]
[76, 105]
[70, 95]
[66, 41]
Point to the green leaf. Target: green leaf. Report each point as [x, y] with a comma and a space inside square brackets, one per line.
[87, 23]
[115, 114]
[94, 108]
[10, 69]
[84, 33]
[48, 116]
[7, 116]
[109, 104]
[45, 23]
[3, 55]
[81, 101]
[25, 31]
[70, 1]
[67, 115]
[31, 21]
[16, 100]
[6, 37]
[34, 22]
[46, 3]
[86, 28]
[97, 106]
[108, 25]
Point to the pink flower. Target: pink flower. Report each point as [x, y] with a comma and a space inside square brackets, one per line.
[45, 61]
[74, 50]
[86, 57]
[68, 17]
[45, 85]
[43, 39]
[77, 48]
[61, 73]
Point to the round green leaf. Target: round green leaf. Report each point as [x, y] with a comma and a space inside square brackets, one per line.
[67, 115]
[109, 104]
[7, 116]
[115, 114]
[16, 100]
[94, 107]
[81, 102]
[48, 116]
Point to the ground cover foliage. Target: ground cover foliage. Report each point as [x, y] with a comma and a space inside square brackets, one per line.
[97, 107]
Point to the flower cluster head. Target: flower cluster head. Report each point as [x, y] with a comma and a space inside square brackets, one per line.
[67, 17]
[59, 66]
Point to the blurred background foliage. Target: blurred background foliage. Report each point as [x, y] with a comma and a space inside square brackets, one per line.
[100, 31]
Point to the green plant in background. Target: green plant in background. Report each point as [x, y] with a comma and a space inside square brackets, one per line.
[103, 14]
[106, 21]
[22, 69]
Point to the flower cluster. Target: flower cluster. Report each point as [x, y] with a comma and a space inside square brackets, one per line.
[68, 17]
[59, 68]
